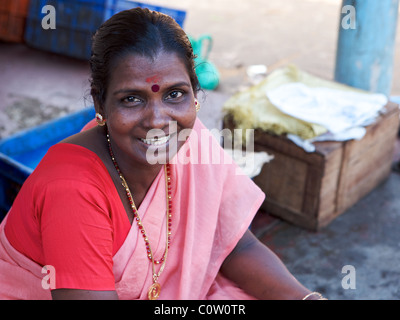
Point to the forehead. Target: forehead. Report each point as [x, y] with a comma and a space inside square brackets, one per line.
[134, 69]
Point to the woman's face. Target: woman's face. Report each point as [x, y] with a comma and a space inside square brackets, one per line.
[148, 103]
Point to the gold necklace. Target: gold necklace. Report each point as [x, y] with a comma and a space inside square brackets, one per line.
[155, 289]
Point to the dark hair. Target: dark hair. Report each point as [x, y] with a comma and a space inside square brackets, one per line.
[138, 31]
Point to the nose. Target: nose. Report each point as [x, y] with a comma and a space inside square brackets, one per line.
[156, 116]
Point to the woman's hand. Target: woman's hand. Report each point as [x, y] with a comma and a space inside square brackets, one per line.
[259, 272]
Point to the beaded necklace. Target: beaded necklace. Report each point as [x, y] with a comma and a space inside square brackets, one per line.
[155, 289]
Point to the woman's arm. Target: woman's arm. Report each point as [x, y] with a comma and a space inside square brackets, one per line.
[259, 272]
[73, 294]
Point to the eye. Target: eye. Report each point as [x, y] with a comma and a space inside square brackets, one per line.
[174, 95]
[131, 99]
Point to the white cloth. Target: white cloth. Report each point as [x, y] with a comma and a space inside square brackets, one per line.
[338, 111]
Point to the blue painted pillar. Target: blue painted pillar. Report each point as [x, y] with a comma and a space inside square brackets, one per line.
[366, 44]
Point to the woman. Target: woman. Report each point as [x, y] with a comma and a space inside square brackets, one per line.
[113, 212]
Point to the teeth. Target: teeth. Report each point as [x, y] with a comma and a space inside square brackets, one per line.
[156, 141]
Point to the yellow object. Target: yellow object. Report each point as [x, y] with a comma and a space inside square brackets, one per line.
[251, 108]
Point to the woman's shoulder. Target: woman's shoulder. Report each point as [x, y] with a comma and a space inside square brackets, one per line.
[65, 154]
[73, 158]
[91, 140]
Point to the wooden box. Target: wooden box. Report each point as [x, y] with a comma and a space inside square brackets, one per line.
[311, 189]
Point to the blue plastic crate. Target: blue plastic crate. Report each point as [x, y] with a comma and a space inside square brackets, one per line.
[21, 153]
[112, 7]
[76, 22]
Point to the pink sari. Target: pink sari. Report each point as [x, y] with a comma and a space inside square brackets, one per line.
[212, 208]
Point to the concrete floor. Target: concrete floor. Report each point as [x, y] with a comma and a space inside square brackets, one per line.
[36, 86]
[365, 237]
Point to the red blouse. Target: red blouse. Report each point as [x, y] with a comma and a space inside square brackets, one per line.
[68, 214]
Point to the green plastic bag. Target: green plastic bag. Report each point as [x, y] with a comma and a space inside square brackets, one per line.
[206, 71]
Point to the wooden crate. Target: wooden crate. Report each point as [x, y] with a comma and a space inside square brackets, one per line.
[311, 189]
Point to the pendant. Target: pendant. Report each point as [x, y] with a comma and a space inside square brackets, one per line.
[154, 291]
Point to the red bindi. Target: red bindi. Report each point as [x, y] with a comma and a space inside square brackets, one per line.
[155, 87]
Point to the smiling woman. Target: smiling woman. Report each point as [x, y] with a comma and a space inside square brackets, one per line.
[133, 109]
[110, 220]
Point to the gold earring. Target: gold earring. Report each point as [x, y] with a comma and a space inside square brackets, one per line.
[100, 120]
[197, 105]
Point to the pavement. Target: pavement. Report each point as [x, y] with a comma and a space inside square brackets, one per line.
[36, 86]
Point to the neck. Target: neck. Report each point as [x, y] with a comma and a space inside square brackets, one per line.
[139, 177]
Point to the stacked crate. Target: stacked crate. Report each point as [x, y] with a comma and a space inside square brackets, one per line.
[76, 22]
